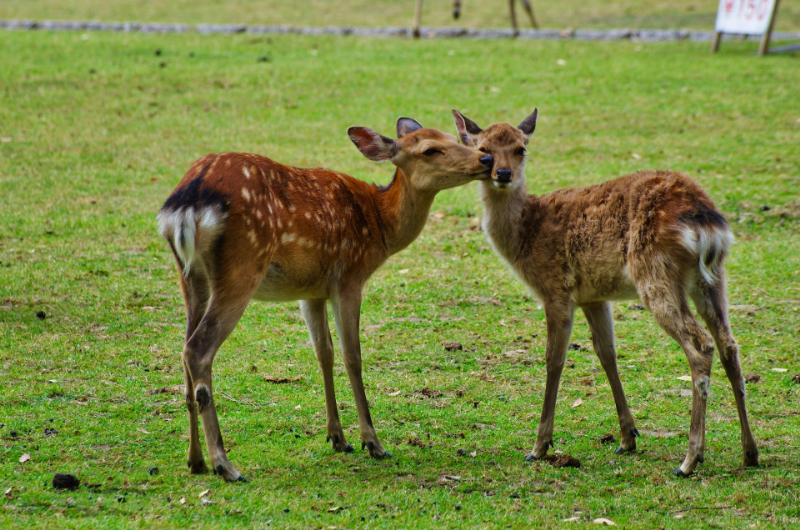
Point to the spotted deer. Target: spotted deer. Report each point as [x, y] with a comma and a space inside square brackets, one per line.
[242, 227]
[654, 235]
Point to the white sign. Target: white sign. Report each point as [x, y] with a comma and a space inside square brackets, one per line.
[745, 17]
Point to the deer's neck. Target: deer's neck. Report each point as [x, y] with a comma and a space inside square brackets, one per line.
[503, 218]
[403, 211]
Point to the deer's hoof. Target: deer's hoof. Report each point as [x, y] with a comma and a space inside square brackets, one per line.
[339, 444]
[197, 467]
[376, 450]
[621, 449]
[678, 472]
[751, 458]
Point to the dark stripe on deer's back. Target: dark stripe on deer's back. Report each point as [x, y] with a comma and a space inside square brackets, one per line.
[704, 215]
[196, 195]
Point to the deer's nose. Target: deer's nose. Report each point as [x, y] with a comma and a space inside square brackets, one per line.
[487, 161]
[504, 174]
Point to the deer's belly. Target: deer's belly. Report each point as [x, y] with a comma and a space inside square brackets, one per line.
[281, 285]
[601, 287]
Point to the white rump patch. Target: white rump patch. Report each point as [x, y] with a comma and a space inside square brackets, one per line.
[189, 229]
[709, 244]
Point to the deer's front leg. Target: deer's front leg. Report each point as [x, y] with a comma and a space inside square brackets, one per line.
[316, 317]
[559, 328]
[601, 324]
[347, 312]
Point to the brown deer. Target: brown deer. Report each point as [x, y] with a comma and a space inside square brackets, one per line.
[654, 235]
[457, 13]
[242, 227]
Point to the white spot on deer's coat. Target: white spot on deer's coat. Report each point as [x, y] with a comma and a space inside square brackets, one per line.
[246, 194]
[365, 230]
[302, 241]
[308, 215]
[252, 235]
[286, 238]
[246, 172]
[280, 224]
[258, 214]
[292, 208]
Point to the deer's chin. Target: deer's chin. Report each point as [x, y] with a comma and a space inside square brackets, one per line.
[501, 185]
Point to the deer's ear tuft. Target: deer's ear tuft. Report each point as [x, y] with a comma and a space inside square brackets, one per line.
[371, 144]
[467, 128]
[528, 125]
[407, 126]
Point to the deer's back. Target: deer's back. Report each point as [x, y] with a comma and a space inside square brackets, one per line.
[315, 226]
[579, 239]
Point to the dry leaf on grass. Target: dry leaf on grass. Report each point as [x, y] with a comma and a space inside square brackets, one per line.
[24, 458]
[685, 378]
[604, 521]
[577, 403]
[204, 493]
[780, 370]
[281, 380]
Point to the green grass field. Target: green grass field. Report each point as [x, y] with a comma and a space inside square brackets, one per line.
[98, 128]
[596, 14]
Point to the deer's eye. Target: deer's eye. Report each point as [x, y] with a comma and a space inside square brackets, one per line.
[433, 151]
[484, 150]
[522, 151]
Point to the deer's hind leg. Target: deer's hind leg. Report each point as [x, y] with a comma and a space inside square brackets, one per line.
[712, 307]
[196, 293]
[315, 314]
[666, 299]
[601, 324]
[233, 280]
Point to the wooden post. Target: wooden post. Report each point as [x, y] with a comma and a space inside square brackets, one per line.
[763, 48]
[417, 18]
[715, 42]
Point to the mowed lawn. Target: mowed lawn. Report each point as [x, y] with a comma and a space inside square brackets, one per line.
[595, 14]
[97, 129]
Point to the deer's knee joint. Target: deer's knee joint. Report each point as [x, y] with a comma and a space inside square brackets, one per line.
[202, 396]
[703, 386]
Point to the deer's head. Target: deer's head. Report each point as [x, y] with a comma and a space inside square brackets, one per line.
[505, 143]
[431, 160]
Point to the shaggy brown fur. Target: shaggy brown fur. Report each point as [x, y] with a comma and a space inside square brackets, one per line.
[654, 235]
[243, 226]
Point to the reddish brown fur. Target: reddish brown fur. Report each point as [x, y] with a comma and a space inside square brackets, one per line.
[655, 235]
[243, 226]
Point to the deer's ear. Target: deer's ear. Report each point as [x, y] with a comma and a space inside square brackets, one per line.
[528, 125]
[466, 128]
[406, 126]
[372, 145]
